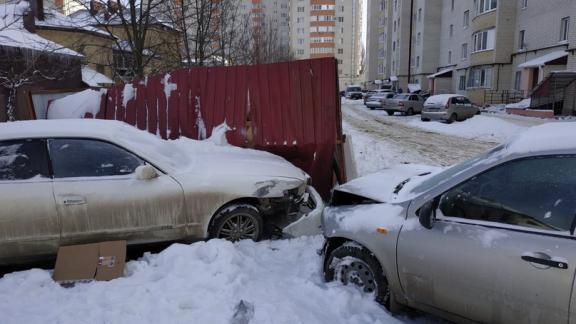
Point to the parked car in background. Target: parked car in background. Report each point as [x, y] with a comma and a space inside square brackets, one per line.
[354, 92]
[79, 181]
[376, 101]
[406, 103]
[490, 240]
[371, 93]
[449, 108]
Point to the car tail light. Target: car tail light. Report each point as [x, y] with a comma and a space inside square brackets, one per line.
[447, 105]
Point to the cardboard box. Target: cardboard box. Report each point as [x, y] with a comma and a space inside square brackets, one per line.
[100, 261]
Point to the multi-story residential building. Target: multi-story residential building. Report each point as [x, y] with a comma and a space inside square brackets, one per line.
[329, 28]
[270, 14]
[479, 48]
[377, 41]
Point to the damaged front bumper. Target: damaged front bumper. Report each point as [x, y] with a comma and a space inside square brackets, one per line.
[309, 221]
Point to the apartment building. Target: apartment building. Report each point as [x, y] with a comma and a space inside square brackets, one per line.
[377, 39]
[271, 14]
[476, 47]
[329, 28]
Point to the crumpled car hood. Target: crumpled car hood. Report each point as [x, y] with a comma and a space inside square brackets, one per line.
[380, 186]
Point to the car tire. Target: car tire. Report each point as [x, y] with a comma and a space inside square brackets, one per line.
[389, 112]
[237, 222]
[354, 264]
[452, 118]
[425, 119]
[410, 112]
[372, 108]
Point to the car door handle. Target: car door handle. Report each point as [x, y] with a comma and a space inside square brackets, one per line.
[73, 200]
[545, 262]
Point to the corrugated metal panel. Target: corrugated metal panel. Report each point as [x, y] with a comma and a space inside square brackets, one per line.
[291, 109]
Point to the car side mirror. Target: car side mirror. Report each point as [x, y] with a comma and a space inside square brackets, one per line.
[146, 172]
[426, 214]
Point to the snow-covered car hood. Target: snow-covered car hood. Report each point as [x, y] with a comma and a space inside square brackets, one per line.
[381, 186]
[206, 158]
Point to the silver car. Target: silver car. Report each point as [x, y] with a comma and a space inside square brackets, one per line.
[407, 104]
[371, 93]
[82, 181]
[377, 100]
[449, 108]
[491, 240]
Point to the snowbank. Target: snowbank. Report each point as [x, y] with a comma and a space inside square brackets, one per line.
[485, 128]
[278, 282]
[75, 105]
[525, 103]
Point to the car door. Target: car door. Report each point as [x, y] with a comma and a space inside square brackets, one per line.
[99, 198]
[502, 249]
[470, 110]
[29, 223]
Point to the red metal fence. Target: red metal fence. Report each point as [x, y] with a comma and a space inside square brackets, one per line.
[291, 109]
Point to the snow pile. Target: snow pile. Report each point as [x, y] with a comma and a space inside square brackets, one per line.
[128, 93]
[94, 78]
[76, 105]
[218, 135]
[485, 128]
[206, 282]
[524, 104]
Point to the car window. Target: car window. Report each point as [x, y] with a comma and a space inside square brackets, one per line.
[23, 160]
[536, 193]
[401, 96]
[90, 158]
[465, 101]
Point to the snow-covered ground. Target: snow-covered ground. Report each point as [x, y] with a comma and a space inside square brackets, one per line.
[380, 141]
[277, 281]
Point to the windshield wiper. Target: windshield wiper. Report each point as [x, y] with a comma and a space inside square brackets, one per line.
[401, 184]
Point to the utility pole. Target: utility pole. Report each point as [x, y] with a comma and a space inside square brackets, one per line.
[410, 41]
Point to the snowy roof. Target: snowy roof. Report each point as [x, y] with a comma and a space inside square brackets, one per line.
[54, 19]
[93, 78]
[440, 73]
[13, 34]
[414, 87]
[440, 99]
[542, 60]
[545, 137]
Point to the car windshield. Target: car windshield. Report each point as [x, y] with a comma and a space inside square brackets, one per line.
[454, 170]
[401, 96]
[354, 89]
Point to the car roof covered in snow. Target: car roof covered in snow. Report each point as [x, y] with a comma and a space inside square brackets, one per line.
[91, 128]
[441, 99]
[543, 138]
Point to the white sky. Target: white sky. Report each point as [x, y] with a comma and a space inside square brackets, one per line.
[364, 21]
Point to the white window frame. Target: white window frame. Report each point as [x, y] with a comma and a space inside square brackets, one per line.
[484, 6]
[564, 29]
[483, 40]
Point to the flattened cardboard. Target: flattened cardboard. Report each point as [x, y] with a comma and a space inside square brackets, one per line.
[111, 260]
[101, 261]
[76, 262]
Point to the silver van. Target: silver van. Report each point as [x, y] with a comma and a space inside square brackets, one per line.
[449, 108]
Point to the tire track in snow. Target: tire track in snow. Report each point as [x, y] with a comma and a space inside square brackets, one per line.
[421, 146]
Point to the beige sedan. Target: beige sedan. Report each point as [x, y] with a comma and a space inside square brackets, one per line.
[81, 181]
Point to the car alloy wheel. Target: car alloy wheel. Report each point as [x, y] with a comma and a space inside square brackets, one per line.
[359, 274]
[237, 222]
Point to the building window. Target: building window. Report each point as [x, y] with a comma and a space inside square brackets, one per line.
[451, 30]
[340, 51]
[340, 19]
[483, 6]
[521, 39]
[449, 57]
[417, 61]
[419, 14]
[300, 9]
[517, 80]
[464, 51]
[452, 6]
[564, 28]
[300, 52]
[483, 40]
[524, 4]
[466, 20]
[462, 84]
[480, 77]
[393, 46]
